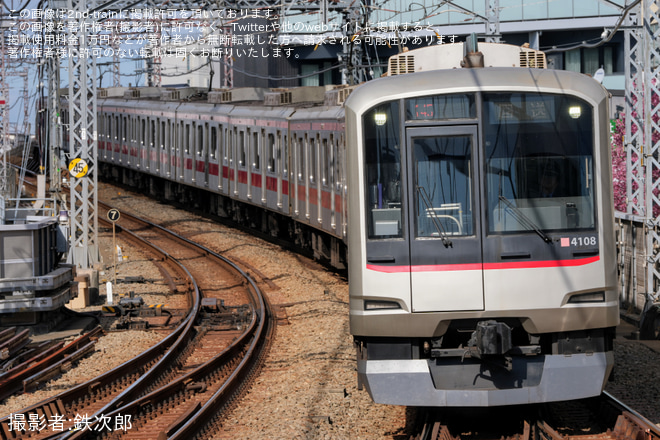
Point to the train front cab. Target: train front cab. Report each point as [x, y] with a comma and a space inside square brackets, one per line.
[469, 287]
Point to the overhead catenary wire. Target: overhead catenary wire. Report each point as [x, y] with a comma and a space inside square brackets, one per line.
[610, 35]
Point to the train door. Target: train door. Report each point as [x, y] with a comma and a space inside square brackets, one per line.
[176, 155]
[249, 141]
[153, 141]
[228, 161]
[201, 159]
[243, 175]
[183, 149]
[262, 151]
[174, 144]
[172, 129]
[445, 243]
[132, 141]
[328, 157]
[297, 178]
[125, 140]
[231, 132]
[123, 150]
[116, 133]
[145, 140]
[206, 152]
[314, 189]
[200, 155]
[165, 142]
[234, 160]
[271, 171]
[224, 141]
[283, 188]
[189, 155]
[307, 171]
[107, 130]
[213, 155]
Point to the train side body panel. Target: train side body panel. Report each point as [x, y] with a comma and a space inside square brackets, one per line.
[243, 152]
[317, 156]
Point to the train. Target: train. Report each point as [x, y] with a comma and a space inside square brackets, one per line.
[273, 161]
[468, 193]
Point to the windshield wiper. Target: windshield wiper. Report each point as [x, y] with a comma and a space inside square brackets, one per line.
[524, 220]
[429, 208]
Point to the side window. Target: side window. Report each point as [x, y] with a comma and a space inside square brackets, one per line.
[272, 153]
[200, 140]
[180, 136]
[312, 160]
[186, 139]
[301, 159]
[162, 135]
[241, 145]
[154, 133]
[229, 138]
[256, 158]
[214, 142]
[233, 135]
[382, 154]
[325, 161]
[285, 155]
[333, 160]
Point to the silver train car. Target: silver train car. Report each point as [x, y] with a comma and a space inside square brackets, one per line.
[468, 286]
[482, 259]
[278, 168]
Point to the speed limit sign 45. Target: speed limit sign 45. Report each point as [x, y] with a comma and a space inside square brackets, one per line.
[78, 168]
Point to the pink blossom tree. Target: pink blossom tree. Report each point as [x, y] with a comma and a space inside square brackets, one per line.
[619, 159]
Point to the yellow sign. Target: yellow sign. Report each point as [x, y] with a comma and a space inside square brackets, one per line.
[78, 168]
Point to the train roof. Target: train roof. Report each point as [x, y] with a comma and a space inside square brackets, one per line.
[463, 80]
[151, 107]
[255, 97]
[317, 113]
[469, 53]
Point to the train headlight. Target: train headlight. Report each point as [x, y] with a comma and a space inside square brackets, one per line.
[380, 118]
[381, 305]
[575, 111]
[587, 298]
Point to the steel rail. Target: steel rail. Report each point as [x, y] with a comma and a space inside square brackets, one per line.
[255, 337]
[186, 333]
[166, 349]
[250, 362]
[650, 430]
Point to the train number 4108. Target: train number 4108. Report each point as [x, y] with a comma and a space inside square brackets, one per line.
[583, 241]
[578, 241]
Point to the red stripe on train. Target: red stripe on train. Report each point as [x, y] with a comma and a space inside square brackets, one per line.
[484, 266]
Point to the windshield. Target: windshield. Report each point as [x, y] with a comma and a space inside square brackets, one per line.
[539, 157]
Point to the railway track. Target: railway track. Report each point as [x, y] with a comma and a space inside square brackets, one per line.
[599, 418]
[178, 387]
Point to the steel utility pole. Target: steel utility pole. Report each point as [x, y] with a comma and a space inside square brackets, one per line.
[642, 132]
[4, 121]
[84, 250]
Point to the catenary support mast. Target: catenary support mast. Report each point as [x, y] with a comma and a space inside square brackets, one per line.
[642, 139]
